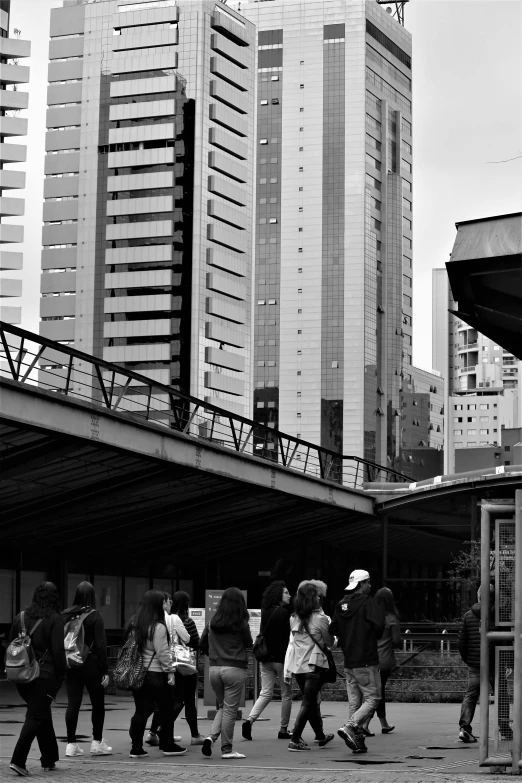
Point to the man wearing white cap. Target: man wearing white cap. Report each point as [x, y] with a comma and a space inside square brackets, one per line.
[358, 622]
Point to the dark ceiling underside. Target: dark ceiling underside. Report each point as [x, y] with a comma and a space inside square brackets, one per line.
[58, 491]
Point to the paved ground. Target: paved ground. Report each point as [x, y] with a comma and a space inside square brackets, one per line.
[424, 747]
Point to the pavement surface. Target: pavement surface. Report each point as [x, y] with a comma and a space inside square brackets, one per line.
[423, 747]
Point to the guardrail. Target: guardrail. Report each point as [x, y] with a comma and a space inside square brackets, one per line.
[66, 371]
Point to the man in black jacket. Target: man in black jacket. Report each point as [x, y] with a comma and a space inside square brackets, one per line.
[358, 622]
[469, 649]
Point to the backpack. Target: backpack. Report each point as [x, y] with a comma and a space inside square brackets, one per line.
[76, 651]
[129, 672]
[20, 662]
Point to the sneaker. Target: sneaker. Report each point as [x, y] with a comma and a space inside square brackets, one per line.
[246, 730]
[297, 747]
[206, 747]
[51, 768]
[233, 755]
[349, 735]
[22, 771]
[361, 744]
[177, 739]
[73, 749]
[327, 738]
[138, 753]
[199, 740]
[284, 734]
[175, 751]
[100, 748]
[152, 739]
[465, 735]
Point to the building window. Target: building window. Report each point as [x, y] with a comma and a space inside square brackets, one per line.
[263, 141]
[301, 189]
[472, 419]
[483, 432]
[300, 209]
[301, 129]
[264, 102]
[458, 407]
[335, 365]
[472, 407]
[457, 432]
[300, 228]
[472, 432]
[273, 220]
[300, 250]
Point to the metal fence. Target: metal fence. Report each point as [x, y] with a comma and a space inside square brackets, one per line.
[34, 360]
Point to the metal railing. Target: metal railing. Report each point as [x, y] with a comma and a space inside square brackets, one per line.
[79, 376]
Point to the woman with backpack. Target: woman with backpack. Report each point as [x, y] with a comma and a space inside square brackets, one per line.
[44, 624]
[275, 627]
[225, 640]
[85, 624]
[306, 660]
[150, 633]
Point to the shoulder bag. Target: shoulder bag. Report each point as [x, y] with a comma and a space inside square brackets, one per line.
[260, 648]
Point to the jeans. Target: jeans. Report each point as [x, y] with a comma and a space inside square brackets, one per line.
[38, 723]
[363, 686]
[310, 686]
[270, 672]
[87, 676]
[227, 683]
[155, 690]
[381, 708]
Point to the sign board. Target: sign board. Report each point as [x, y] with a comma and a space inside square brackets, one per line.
[212, 599]
[198, 615]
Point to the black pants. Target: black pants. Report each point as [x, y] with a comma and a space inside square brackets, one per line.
[38, 723]
[87, 676]
[381, 709]
[155, 691]
[310, 686]
[184, 696]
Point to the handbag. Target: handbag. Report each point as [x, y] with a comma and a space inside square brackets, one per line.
[260, 648]
[183, 657]
[129, 673]
[328, 674]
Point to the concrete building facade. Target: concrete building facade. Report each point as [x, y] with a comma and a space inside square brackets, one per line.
[12, 99]
[333, 222]
[148, 211]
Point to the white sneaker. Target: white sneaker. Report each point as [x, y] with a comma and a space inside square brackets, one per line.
[100, 748]
[73, 749]
[177, 739]
[233, 755]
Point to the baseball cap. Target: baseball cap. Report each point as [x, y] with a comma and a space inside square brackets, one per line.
[355, 578]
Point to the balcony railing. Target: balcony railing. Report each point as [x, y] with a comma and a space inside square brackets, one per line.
[65, 371]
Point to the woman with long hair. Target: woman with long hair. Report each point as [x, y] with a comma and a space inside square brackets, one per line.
[174, 627]
[150, 632]
[225, 640]
[185, 686]
[386, 645]
[93, 675]
[41, 619]
[307, 662]
[275, 627]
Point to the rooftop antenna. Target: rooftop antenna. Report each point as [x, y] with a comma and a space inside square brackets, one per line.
[398, 14]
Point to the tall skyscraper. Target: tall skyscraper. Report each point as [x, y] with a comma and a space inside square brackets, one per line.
[333, 301]
[148, 212]
[12, 100]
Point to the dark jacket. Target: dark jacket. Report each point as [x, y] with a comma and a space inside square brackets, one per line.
[226, 647]
[275, 626]
[358, 623]
[47, 644]
[94, 635]
[190, 625]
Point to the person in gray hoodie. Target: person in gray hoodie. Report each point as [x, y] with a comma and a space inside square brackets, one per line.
[358, 622]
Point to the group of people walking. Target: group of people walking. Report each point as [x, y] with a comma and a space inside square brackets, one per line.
[44, 630]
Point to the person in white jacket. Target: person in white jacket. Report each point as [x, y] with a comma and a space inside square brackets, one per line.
[306, 661]
[175, 629]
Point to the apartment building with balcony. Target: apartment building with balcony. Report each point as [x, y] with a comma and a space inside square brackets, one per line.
[333, 298]
[13, 76]
[148, 213]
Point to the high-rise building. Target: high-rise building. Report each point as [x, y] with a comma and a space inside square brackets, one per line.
[333, 299]
[483, 394]
[148, 212]
[12, 100]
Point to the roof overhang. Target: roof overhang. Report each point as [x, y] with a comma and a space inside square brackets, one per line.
[485, 274]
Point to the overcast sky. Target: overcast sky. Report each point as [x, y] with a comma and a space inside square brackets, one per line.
[467, 89]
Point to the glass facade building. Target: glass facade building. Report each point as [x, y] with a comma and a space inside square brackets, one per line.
[148, 212]
[333, 317]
